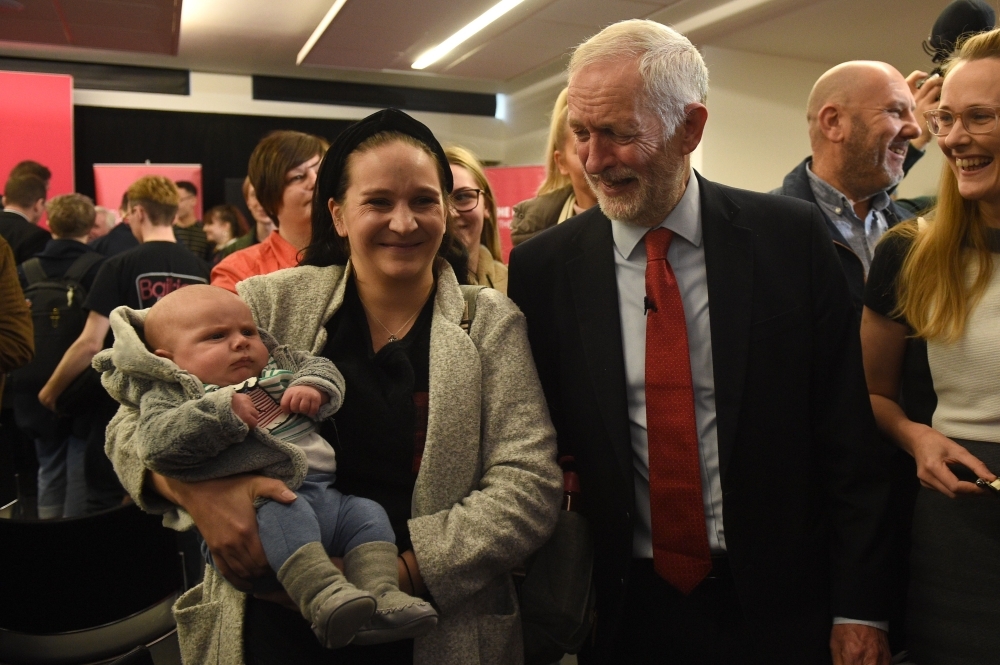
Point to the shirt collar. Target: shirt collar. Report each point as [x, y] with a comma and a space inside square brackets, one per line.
[684, 220]
[831, 197]
[18, 212]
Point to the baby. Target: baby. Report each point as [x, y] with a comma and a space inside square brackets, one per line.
[216, 398]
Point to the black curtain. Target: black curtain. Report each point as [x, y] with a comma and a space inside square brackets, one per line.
[221, 143]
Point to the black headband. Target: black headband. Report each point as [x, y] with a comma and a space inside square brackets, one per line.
[389, 120]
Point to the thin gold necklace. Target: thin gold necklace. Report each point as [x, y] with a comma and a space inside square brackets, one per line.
[392, 335]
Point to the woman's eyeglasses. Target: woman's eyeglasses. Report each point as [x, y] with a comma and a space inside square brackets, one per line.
[464, 200]
[975, 119]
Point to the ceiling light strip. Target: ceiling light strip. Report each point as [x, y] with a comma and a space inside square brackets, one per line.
[320, 29]
[717, 14]
[428, 58]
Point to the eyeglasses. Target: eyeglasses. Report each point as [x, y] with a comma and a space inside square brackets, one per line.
[464, 200]
[975, 119]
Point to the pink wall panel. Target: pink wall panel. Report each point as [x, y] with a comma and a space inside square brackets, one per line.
[36, 122]
[113, 180]
[511, 185]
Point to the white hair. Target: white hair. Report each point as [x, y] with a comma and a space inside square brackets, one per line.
[671, 68]
[110, 217]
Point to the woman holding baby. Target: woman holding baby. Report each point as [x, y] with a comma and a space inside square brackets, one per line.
[444, 426]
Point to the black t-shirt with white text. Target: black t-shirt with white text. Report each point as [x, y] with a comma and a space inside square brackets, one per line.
[141, 276]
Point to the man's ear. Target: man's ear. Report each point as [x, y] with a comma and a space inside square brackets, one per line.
[163, 353]
[337, 212]
[832, 123]
[695, 118]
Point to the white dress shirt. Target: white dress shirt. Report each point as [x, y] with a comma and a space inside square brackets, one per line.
[687, 259]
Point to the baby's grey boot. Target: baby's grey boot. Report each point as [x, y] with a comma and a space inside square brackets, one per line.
[398, 616]
[334, 607]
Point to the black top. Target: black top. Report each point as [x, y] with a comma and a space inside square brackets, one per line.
[378, 435]
[917, 395]
[375, 429]
[117, 240]
[141, 276]
[57, 257]
[25, 239]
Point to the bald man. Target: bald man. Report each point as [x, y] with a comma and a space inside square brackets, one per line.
[861, 121]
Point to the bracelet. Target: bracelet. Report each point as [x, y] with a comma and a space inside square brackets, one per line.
[413, 588]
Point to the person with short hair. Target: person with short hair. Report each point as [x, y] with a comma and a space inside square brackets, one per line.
[104, 222]
[224, 225]
[474, 219]
[701, 362]
[282, 171]
[120, 238]
[251, 397]
[136, 278]
[861, 122]
[31, 167]
[60, 442]
[188, 229]
[23, 205]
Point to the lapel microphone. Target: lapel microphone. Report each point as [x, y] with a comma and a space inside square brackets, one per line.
[647, 304]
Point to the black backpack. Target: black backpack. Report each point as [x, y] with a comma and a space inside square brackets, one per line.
[58, 317]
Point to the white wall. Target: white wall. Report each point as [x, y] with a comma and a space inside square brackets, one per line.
[757, 131]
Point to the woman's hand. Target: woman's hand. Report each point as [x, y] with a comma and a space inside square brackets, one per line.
[933, 453]
[224, 513]
[408, 571]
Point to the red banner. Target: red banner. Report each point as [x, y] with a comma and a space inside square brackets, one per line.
[113, 180]
[36, 123]
[511, 185]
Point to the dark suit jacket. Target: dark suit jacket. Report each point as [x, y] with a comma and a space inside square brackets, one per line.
[796, 185]
[802, 469]
[25, 238]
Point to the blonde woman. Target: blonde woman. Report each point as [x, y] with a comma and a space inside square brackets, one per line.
[564, 192]
[937, 281]
[474, 219]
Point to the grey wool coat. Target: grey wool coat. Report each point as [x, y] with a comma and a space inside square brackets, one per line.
[488, 491]
[183, 432]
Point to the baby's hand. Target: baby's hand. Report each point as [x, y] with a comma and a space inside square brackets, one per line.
[244, 409]
[303, 399]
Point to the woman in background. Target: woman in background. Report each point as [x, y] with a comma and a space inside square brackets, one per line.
[564, 192]
[474, 215]
[223, 226]
[282, 171]
[938, 281]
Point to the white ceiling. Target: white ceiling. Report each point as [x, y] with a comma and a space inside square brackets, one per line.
[375, 40]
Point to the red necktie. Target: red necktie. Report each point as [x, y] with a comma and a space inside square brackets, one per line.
[680, 540]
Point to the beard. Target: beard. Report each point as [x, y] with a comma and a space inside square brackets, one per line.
[867, 170]
[651, 201]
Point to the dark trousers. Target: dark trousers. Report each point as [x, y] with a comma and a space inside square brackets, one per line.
[661, 626]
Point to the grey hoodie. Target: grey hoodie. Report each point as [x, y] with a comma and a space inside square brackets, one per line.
[185, 433]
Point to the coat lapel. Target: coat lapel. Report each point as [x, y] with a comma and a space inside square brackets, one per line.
[729, 264]
[591, 273]
[455, 386]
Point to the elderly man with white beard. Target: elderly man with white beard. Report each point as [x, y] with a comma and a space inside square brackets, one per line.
[701, 361]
